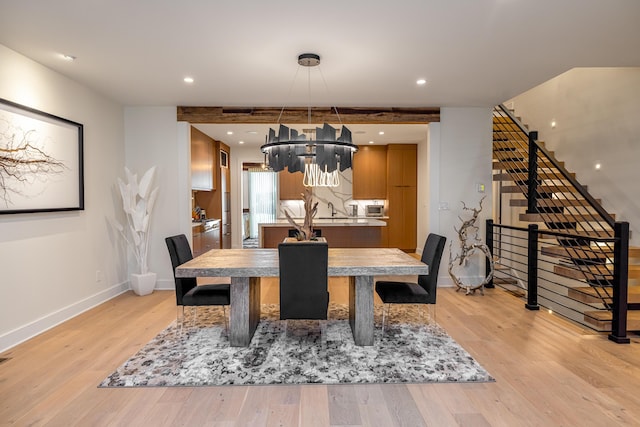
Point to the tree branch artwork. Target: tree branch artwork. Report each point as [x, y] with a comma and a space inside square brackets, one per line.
[467, 248]
[305, 231]
[22, 161]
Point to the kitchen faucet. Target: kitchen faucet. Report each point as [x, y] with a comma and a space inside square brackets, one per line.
[333, 210]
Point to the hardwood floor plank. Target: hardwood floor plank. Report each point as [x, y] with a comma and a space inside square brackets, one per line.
[548, 372]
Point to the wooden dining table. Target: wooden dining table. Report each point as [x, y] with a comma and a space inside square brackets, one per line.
[245, 267]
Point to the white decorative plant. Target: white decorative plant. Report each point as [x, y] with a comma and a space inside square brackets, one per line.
[138, 199]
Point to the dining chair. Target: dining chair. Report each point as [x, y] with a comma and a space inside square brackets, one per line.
[422, 292]
[188, 292]
[303, 280]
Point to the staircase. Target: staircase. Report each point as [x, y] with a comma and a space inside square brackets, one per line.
[580, 244]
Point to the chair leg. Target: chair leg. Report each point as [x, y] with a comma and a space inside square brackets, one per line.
[194, 315]
[226, 320]
[179, 318]
[385, 309]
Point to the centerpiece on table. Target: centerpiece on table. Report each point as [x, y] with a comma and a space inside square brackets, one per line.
[305, 232]
[138, 199]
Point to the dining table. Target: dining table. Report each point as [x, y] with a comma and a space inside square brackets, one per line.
[245, 267]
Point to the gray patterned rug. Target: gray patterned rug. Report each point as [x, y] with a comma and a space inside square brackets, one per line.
[299, 352]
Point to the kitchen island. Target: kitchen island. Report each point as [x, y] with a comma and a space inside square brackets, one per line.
[352, 232]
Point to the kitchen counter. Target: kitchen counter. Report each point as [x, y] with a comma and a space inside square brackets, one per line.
[340, 232]
[330, 222]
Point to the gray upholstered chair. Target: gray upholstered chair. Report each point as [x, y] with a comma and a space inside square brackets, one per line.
[423, 292]
[303, 280]
[188, 292]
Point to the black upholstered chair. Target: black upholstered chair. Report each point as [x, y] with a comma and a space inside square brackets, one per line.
[303, 280]
[188, 292]
[423, 292]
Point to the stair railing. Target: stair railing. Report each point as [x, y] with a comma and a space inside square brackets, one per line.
[557, 199]
[520, 250]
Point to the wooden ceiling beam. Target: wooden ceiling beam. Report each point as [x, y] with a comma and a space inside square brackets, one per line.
[300, 115]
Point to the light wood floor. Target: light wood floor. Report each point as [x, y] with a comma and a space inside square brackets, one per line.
[548, 373]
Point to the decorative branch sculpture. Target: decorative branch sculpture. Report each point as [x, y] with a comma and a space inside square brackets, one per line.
[466, 249]
[305, 231]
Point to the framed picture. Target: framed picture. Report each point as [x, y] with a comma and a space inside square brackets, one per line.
[41, 161]
[224, 161]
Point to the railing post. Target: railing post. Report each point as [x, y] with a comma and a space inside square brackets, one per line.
[620, 283]
[532, 268]
[532, 179]
[489, 242]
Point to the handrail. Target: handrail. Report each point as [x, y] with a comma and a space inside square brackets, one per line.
[557, 233]
[584, 193]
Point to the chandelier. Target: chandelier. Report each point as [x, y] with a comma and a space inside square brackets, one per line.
[319, 156]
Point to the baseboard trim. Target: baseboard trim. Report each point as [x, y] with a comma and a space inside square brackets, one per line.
[38, 326]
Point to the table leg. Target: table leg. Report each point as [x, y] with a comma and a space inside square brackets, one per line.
[361, 309]
[244, 311]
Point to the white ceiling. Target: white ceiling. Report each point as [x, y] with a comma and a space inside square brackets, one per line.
[243, 53]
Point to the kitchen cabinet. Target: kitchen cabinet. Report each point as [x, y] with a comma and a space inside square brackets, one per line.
[402, 181]
[225, 188]
[370, 172]
[206, 236]
[202, 158]
[290, 185]
[402, 165]
[217, 203]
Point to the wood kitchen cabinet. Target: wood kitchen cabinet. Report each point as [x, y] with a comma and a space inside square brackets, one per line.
[202, 161]
[217, 203]
[290, 185]
[402, 181]
[370, 172]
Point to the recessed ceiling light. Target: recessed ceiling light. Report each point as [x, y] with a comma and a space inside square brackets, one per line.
[188, 79]
[240, 142]
[252, 132]
[421, 82]
[381, 132]
[553, 124]
[598, 166]
[371, 142]
[68, 57]
[229, 132]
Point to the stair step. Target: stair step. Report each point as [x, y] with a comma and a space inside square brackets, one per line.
[577, 252]
[555, 217]
[552, 202]
[542, 189]
[514, 153]
[585, 252]
[593, 272]
[523, 163]
[505, 176]
[602, 319]
[589, 295]
[511, 141]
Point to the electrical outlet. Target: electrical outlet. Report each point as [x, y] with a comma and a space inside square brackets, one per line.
[99, 276]
[444, 206]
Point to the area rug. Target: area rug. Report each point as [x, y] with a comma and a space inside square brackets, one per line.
[299, 352]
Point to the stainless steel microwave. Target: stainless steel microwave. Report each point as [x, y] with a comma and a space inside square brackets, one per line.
[374, 210]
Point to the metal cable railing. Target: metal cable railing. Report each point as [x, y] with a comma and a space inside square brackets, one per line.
[555, 199]
[520, 255]
[576, 230]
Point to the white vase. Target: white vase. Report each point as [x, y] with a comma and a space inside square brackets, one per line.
[143, 284]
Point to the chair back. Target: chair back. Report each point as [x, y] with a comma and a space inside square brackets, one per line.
[303, 280]
[180, 252]
[431, 255]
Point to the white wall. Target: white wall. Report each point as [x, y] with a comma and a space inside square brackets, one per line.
[597, 113]
[49, 260]
[153, 137]
[460, 162]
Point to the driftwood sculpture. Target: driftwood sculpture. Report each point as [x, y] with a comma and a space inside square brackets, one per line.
[305, 231]
[467, 249]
